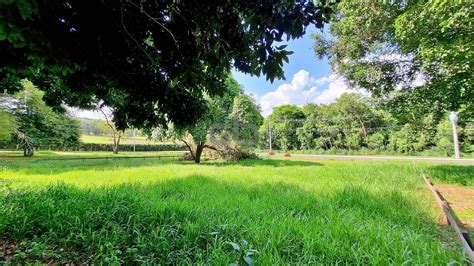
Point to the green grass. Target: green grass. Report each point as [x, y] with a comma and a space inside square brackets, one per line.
[269, 211]
[426, 153]
[452, 174]
[75, 154]
[123, 140]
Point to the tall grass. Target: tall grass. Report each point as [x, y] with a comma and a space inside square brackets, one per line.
[256, 211]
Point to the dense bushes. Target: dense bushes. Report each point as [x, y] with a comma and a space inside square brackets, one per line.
[355, 123]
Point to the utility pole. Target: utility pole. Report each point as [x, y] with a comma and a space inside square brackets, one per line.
[270, 136]
[134, 135]
[453, 116]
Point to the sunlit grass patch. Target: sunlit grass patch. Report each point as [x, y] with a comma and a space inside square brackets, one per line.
[266, 211]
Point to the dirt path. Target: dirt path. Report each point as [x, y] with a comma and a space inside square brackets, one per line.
[461, 200]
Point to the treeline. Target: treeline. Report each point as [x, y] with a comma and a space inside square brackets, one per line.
[356, 122]
[27, 123]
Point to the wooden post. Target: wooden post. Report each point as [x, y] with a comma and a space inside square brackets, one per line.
[462, 233]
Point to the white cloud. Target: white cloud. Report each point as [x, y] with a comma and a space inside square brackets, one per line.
[81, 113]
[295, 92]
[305, 89]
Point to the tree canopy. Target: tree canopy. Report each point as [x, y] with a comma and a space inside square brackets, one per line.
[408, 51]
[7, 126]
[30, 119]
[153, 62]
[231, 119]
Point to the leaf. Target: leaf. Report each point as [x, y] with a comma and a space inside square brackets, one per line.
[249, 260]
[26, 8]
[235, 246]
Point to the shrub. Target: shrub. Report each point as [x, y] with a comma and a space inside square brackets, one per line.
[376, 141]
[354, 140]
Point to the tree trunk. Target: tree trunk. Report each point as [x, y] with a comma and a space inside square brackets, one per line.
[28, 152]
[199, 149]
[117, 144]
[363, 128]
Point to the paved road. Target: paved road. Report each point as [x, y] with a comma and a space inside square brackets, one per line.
[375, 158]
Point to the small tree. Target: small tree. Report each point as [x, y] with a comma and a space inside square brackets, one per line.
[116, 133]
[36, 124]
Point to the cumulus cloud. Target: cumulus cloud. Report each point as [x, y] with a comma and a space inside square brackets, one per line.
[305, 89]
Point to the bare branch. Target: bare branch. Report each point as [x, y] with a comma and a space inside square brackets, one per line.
[154, 20]
[189, 148]
[131, 37]
[107, 120]
[221, 153]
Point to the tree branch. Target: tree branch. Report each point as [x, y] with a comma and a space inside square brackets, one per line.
[131, 37]
[107, 120]
[221, 153]
[189, 148]
[154, 20]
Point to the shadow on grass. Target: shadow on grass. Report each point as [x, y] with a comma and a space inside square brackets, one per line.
[268, 162]
[454, 174]
[46, 166]
[193, 220]
[34, 166]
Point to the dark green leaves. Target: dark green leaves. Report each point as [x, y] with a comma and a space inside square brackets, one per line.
[26, 8]
[152, 61]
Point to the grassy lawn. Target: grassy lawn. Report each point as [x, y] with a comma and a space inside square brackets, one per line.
[428, 153]
[268, 211]
[123, 140]
[74, 154]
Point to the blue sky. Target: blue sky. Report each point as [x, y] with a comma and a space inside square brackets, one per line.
[303, 58]
[308, 79]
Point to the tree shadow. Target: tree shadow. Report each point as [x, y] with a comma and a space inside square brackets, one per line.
[269, 162]
[455, 174]
[33, 166]
[192, 220]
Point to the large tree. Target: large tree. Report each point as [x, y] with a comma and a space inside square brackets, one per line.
[246, 118]
[232, 118]
[152, 62]
[408, 51]
[33, 124]
[7, 126]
